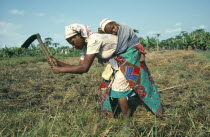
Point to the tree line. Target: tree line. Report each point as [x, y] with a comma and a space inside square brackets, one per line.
[198, 39]
[35, 50]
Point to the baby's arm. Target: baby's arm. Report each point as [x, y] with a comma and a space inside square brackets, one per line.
[100, 30]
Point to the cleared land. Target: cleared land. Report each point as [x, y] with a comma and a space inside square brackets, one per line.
[36, 102]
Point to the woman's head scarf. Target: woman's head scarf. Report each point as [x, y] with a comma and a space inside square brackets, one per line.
[73, 29]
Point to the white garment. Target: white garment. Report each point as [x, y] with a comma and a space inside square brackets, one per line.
[120, 84]
[104, 45]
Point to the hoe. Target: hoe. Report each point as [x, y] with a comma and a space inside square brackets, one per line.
[27, 43]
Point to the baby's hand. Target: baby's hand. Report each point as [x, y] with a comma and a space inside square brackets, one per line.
[100, 30]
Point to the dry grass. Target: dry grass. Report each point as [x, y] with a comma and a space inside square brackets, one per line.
[36, 102]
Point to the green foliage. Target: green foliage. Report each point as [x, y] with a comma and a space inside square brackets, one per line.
[36, 51]
[48, 41]
[198, 39]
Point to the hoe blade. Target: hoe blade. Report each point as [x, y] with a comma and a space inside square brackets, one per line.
[28, 42]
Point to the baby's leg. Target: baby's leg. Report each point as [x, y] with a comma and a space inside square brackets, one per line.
[125, 110]
[124, 106]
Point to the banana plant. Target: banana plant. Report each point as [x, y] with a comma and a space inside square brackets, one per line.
[151, 42]
[48, 41]
[157, 41]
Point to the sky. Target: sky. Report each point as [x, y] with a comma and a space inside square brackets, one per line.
[19, 19]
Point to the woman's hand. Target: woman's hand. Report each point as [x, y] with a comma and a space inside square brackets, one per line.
[52, 61]
[56, 69]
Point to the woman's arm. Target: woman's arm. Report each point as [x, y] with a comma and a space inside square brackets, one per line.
[59, 63]
[81, 61]
[81, 68]
[54, 62]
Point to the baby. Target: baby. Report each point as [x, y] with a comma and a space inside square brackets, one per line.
[126, 36]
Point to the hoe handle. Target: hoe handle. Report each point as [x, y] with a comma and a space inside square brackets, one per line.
[45, 50]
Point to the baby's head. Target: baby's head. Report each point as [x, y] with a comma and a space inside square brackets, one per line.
[109, 26]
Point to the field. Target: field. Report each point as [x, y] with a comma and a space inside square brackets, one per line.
[36, 102]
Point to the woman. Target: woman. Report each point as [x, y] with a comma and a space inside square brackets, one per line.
[103, 46]
[93, 45]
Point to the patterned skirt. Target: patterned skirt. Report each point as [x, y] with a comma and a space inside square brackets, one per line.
[139, 78]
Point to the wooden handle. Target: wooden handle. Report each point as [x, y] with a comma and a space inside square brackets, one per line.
[43, 46]
[45, 49]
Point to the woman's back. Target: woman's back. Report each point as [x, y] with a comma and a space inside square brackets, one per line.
[103, 45]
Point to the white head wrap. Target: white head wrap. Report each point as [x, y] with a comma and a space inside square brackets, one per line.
[74, 29]
[103, 23]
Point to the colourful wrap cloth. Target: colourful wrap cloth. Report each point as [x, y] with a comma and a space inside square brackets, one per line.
[139, 78]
